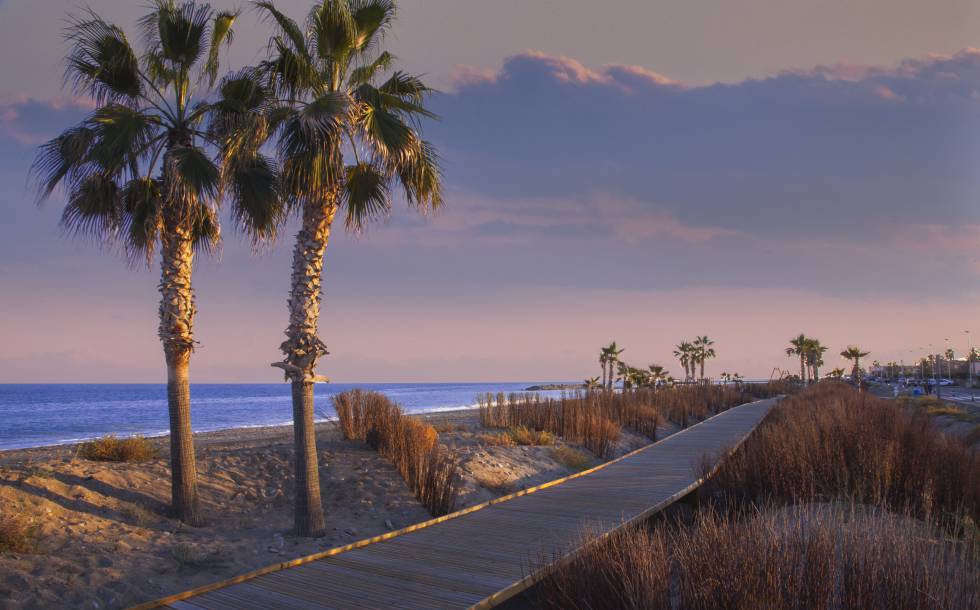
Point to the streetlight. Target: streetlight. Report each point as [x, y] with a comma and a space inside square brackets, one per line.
[969, 361]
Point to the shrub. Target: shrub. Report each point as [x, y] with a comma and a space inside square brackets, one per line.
[497, 482]
[831, 441]
[798, 558]
[428, 468]
[525, 436]
[112, 449]
[501, 439]
[18, 534]
[570, 458]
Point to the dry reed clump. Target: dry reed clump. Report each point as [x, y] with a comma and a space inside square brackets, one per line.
[18, 534]
[525, 436]
[570, 458]
[112, 449]
[831, 441]
[803, 557]
[428, 468]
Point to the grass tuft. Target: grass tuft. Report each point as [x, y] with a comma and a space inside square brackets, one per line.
[112, 449]
[18, 534]
[497, 482]
[525, 436]
[570, 458]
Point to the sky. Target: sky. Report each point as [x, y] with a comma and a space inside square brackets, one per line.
[630, 170]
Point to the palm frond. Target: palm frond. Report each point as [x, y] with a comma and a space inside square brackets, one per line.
[94, 208]
[392, 141]
[406, 87]
[421, 178]
[177, 33]
[366, 73]
[366, 195]
[333, 31]
[60, 158]
[193, 176]
[221, 33]
[100, 61]
[143, 202]
[287, 26]
[372, 18]
[205, 228]
[289, 72]
[254, 191]
[123, 135]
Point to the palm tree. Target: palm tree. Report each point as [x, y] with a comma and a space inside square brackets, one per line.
[657, 373]
[591, 383]
[684, 352]
[603, 362]
[611, 352]
[326, 100]
[836, 373]
[148, 167]
[798, 347]
[814, 352]
[854, 353]
[702, 352]
[950, 356]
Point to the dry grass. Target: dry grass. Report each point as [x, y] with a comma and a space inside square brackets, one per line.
[805, 557]
[500, 439]
[497, 482]
[18, 534]
[112, 449]
[973, 436]
[525, 436]
[595, 419]
[570, 458]
[428, 468]
[831, 441]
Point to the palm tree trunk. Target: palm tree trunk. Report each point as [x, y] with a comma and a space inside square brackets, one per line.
[308, 516]
[702, 369]
[603, 375]
[176, 332]
[803, 378]
[302, 349]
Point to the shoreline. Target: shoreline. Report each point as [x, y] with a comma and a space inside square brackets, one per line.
[206, 438]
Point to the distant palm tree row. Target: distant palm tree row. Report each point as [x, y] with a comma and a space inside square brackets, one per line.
[164, 147]
[691, 354]
[810, 352]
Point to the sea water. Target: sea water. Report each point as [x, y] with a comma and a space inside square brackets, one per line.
[33, 415]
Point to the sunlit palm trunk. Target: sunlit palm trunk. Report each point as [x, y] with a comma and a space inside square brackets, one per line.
[803, 378]
[302, 349]
[177, 334]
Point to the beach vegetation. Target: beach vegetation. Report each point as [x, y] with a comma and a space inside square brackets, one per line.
[18, 533]
[496, 439]
[571, 458]
[499, 483]
[110, 448]
[431, 471]
[522, 435]
[809, 556]
[147, 168]
[331, 89]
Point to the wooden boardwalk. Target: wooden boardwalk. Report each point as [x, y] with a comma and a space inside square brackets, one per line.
[480, 557]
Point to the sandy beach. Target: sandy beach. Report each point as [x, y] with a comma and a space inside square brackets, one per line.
[104, 540]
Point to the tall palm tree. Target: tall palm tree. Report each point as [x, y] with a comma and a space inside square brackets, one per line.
[148, 167]
[798, 347]
[328, 101]
[814, 352]
[612, 352]
[684, 352]
[703, 351]
[603, 362]
[852, 352]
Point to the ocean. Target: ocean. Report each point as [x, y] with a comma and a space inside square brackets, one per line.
[33, 415]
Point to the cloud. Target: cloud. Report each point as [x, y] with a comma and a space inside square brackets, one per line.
[840, 150]
[29, 121]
